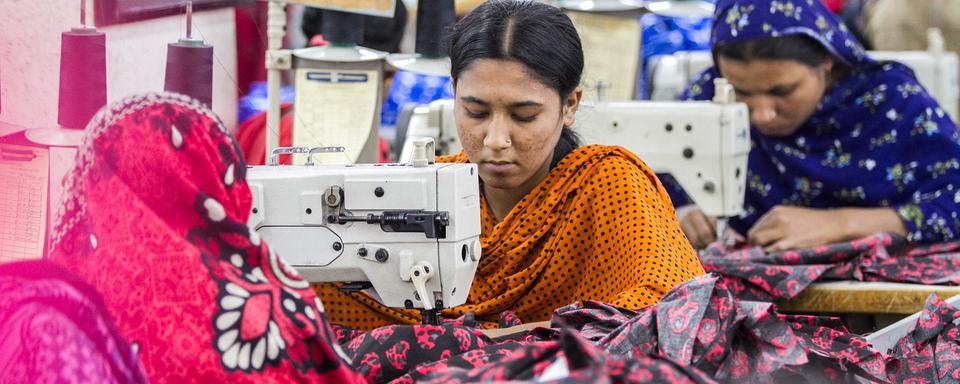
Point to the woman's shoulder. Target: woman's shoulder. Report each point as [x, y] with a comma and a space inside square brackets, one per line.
[612, 163]
[455, 158]
[893, 74]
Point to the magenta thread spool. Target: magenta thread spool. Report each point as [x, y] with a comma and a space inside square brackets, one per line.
[190, 70]
[83, 76]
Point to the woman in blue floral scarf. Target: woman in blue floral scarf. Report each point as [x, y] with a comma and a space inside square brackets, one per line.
[843, 146]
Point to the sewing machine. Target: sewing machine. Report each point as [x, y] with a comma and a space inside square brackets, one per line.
[434, 120]
[408, 231]
[935, 69]
[704, 145]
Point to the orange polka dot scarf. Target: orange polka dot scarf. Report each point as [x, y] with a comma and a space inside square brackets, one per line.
[600, 226]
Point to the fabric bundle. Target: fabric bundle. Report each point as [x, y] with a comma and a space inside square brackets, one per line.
[931, 353]
[756, 275]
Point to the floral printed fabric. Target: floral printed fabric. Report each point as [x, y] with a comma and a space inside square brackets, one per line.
[877, 138]
[460, 354]
[755, 275]
[703, 325]
[722, 327]
[700, 332]
[931, 353]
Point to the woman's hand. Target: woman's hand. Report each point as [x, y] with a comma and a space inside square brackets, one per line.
[785, 227]
[700, 229]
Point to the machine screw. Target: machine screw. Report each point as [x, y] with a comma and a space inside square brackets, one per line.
[337, 246]
[408, 303]
[378, 192]
[688, 152]
[255, 210]
[332, 196]
[709, 187]
[382, 255]
[362, 252]
[669, 127]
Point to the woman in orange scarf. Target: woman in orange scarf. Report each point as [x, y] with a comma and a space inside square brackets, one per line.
[561, 223]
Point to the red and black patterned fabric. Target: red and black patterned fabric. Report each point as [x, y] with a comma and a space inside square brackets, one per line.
[931, 353]
[756, 275]
[387, 353]
[568, 359]
[702, 324]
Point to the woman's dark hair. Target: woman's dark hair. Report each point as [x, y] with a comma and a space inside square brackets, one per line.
[801, 48]
[539, 36]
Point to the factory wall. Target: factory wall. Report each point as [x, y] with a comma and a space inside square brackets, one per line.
[136, 53]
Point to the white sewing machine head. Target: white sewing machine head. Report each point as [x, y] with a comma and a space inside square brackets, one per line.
[704, 145]
[434, 120]
[410, 230]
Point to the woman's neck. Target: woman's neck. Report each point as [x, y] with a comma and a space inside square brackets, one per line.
[501, 201]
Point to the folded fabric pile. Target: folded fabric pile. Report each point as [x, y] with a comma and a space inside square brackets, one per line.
[703, 325]
[756, 275]
[700, 332]
[931, 353]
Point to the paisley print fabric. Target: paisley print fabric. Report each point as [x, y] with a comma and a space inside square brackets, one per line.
[154, 218]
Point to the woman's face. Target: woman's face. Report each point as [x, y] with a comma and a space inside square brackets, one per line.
[781, 94]
[509, 122]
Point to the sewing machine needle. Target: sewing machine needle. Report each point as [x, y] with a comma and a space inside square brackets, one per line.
[722, 234]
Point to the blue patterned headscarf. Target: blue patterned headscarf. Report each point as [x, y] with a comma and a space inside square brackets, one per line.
[743, 20]
[877, 138]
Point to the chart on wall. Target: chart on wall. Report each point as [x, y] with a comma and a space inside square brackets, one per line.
[109, 12]
[382, 8]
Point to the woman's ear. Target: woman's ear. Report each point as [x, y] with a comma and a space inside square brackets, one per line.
[827, 65]
[570, 106]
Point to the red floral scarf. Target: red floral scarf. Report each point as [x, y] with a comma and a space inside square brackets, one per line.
[154, 218]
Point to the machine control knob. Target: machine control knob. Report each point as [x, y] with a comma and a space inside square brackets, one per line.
[424, 152]
[382, 255]
[475, 250]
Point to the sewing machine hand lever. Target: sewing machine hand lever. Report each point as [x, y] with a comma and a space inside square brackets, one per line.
[420, 273]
